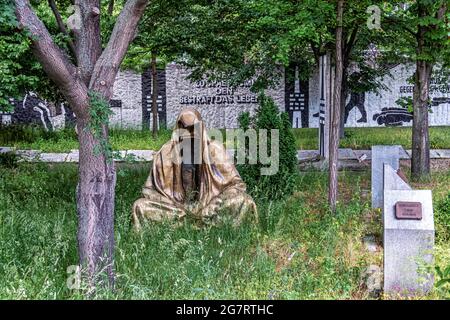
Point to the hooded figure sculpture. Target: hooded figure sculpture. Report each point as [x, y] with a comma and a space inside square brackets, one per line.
[193, 175]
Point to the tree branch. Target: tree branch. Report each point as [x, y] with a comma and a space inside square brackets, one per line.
[88, 39]
[51, 57]
[392, 20]
[351, 41]
[124, 31]
[110, 7]
[61, 26]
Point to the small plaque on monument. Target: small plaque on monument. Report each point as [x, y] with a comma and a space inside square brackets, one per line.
[408, 210]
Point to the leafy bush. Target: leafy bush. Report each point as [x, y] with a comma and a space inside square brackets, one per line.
[8, 160]
[443, 277]
[275, 186]
[442, 217]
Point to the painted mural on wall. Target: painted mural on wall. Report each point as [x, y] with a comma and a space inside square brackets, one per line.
[37, 112]
[147, 98]
[297, 98]
[221, 104]
[371, 110]
[356, 100]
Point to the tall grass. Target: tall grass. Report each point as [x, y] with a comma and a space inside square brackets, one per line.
[297, 251]
[305, 138]
[290, 254]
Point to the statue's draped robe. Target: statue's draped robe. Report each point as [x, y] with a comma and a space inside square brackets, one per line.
[220, 192]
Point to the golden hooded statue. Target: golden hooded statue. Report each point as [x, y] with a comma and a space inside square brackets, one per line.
[193, 176]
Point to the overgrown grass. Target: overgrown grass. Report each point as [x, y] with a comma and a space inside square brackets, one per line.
[306, 139]
[298, 250]
[65, 140]
[364, 138]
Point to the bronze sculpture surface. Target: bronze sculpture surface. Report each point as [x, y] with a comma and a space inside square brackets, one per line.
[192, 175]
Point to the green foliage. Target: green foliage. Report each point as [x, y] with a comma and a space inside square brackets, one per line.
[298, 251]
[13, 46]
[405, 102]
[99, 112]
[443, 279]
[442, 219]
[19, 70]
[163, 29]
[294, 258]
[8, 160]
[36, 138]
[403, 26]
[282, 183]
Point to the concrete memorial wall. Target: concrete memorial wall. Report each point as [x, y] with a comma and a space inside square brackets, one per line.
[221, 104]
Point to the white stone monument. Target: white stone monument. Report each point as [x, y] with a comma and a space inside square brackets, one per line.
[408, 237]
[381, 155]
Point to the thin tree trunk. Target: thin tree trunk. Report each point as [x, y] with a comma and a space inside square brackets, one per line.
[335, 113]
[62, 26]
[420, 159]
[154, 96]
[344, 92]
[95, 207]
[110, 7]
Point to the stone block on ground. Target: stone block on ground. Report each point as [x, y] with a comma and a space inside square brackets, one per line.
[370, 243]
[307, 154]
[6, 149]
[28, 155]
[380, 156]
[403, 154]
[53, 157]
[73, 156]
[434, 154]
[392, 181]
[120, 156]
[408, 245]
[141, 155]
[346, 154]
[443, 153]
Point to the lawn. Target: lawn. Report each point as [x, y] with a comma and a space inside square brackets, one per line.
[306, 139]
[297, 251]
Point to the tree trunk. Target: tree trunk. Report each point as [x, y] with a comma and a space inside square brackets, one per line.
[335, 113]
[95, 207]
[344, 91]
[154, 96]
[420, 160]
[110, 7]
[95, 72]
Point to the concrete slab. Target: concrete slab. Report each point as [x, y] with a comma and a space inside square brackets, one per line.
[361, 153]
[403, 154]
[408, 245]
[307, 154]
[6, 149]
[53, 157]
[392, 181]
[28, 155]
[120, 156]
[141, 155]
[381, 155]
[73, 156]
[434, 154]
[443, 153]
[346, 154]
